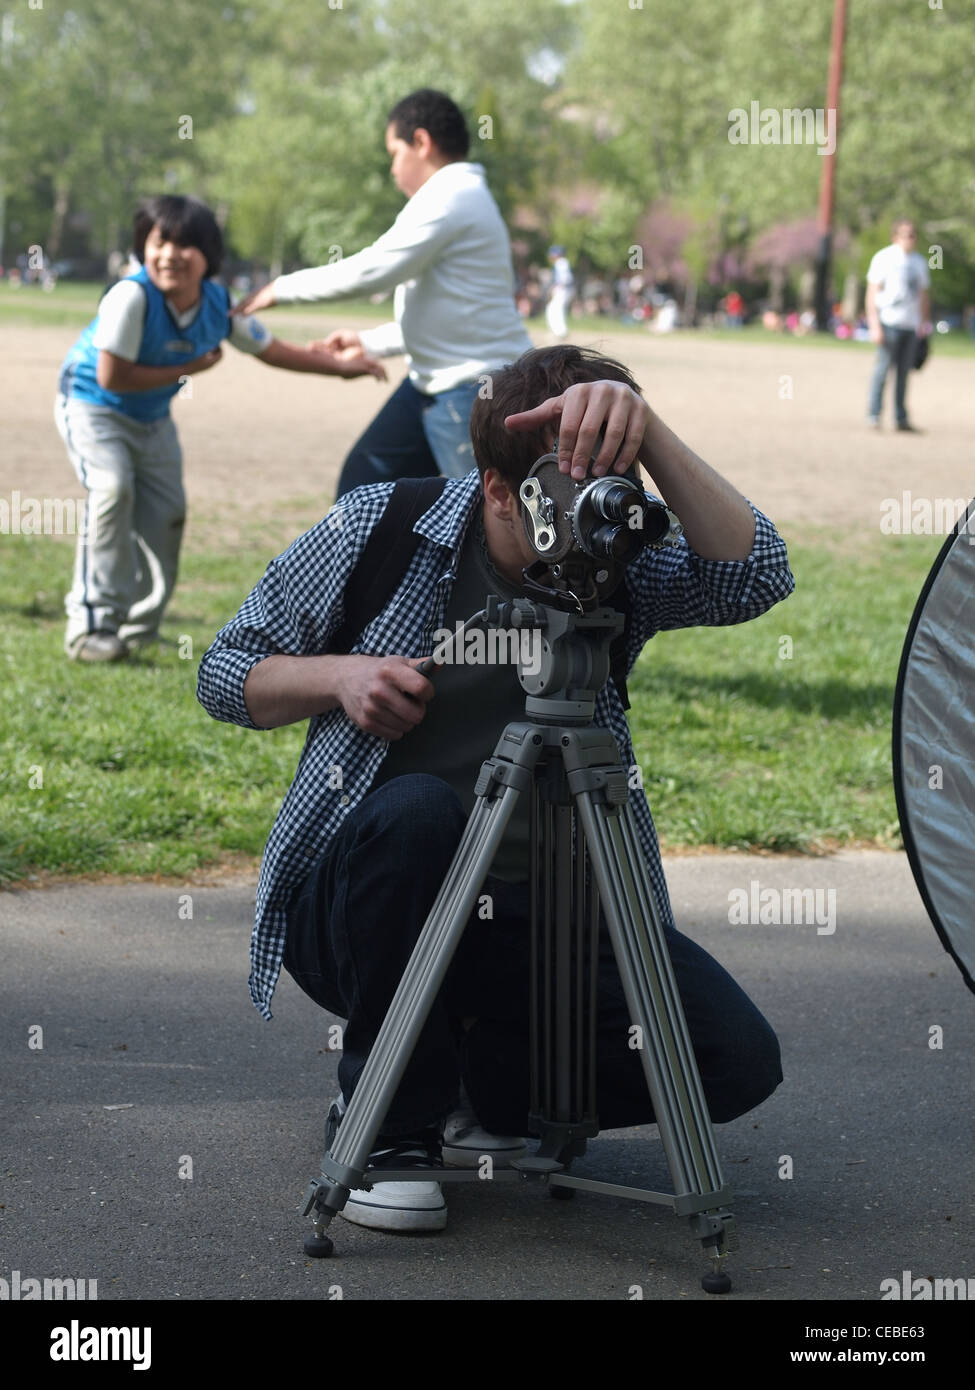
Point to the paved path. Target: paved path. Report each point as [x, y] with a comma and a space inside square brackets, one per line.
[152, 1053]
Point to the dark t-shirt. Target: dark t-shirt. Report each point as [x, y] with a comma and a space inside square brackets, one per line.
[473, 703]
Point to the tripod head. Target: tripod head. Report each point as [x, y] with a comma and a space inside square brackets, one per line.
[583, 533]
[562, 687]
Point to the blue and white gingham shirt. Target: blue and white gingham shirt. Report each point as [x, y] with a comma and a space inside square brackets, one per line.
[298, 606]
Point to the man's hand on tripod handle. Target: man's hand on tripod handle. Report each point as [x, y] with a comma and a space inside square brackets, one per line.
[718, 523]
[384, 695]
[429, 664]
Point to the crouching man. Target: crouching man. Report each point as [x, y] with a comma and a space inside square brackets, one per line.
[385, 784]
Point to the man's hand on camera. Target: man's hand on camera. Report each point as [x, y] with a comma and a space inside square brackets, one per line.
[579, 414]
[384, 695]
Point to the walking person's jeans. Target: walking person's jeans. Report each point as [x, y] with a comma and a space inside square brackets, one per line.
[897, 351]
[415, 435]
[354, 922]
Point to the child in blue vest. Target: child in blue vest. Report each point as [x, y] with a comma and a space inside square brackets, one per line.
[153, 330]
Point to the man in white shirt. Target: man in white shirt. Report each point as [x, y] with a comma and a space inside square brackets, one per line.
[898, 312]
[448, 257]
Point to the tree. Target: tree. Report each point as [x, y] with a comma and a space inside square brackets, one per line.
[103, 101]
[659, 96]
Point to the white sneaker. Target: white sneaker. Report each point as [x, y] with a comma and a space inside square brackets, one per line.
[396, 1206]
[97, 646]
[466, 1142]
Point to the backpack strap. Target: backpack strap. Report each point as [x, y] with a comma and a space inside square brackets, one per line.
[386, 556]
[617, 652]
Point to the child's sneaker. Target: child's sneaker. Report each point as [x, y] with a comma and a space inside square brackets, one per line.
[97, 646]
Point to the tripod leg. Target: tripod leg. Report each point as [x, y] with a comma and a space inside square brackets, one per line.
[650, 987]
[562, 1020]
[344, 1166]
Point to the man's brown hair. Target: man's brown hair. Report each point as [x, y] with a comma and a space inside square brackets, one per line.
[537, 375]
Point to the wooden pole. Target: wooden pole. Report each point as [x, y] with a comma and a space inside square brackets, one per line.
[827, 178]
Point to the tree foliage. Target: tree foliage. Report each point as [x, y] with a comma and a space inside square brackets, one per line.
[659, 87]
[586, 113]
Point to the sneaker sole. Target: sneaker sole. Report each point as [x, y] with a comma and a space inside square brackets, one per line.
[396, 1219]
[94, 659]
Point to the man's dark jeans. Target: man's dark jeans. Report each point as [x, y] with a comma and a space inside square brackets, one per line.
[897, 350]
[354, 922]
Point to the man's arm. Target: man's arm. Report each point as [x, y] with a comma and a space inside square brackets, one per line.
[270, 664]
[717, 521]
[873, 318]
[731, 563]
[402, 253]
[385, 696]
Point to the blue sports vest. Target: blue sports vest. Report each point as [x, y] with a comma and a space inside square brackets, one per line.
[164, 344]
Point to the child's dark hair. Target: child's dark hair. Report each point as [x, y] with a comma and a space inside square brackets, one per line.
[435, 113]
[537, 375]
[186, 221]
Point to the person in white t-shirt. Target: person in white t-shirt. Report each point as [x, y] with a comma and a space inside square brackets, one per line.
[898, 313]
[448, 257]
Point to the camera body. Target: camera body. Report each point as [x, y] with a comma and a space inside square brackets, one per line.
[589, 530]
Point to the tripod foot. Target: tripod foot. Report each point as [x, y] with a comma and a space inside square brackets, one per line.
[715, 1282]
[318, 1247]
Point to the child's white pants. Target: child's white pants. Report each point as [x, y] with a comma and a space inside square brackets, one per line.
[127, 556]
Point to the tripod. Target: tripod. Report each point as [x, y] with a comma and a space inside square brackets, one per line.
[585, 854]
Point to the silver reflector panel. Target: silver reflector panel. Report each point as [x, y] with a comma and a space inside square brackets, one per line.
[934, 745]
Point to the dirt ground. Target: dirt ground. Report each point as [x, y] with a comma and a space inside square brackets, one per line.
[784, 421]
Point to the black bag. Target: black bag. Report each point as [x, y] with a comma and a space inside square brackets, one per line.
[921, 349]
[386, 558]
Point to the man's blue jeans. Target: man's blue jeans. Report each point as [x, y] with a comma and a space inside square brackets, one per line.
[896, 350]
[354, 922]
[415, 435]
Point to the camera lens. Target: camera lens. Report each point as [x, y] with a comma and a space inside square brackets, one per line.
[656, 523]
[614, 500]
[610, 543]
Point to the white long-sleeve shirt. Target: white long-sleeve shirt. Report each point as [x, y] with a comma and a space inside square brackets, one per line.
[449, 258]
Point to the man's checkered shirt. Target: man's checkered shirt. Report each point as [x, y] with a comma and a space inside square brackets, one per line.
[298, 606]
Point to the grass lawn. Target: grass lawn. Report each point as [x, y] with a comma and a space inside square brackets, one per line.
[775, 735]
[118, 769]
